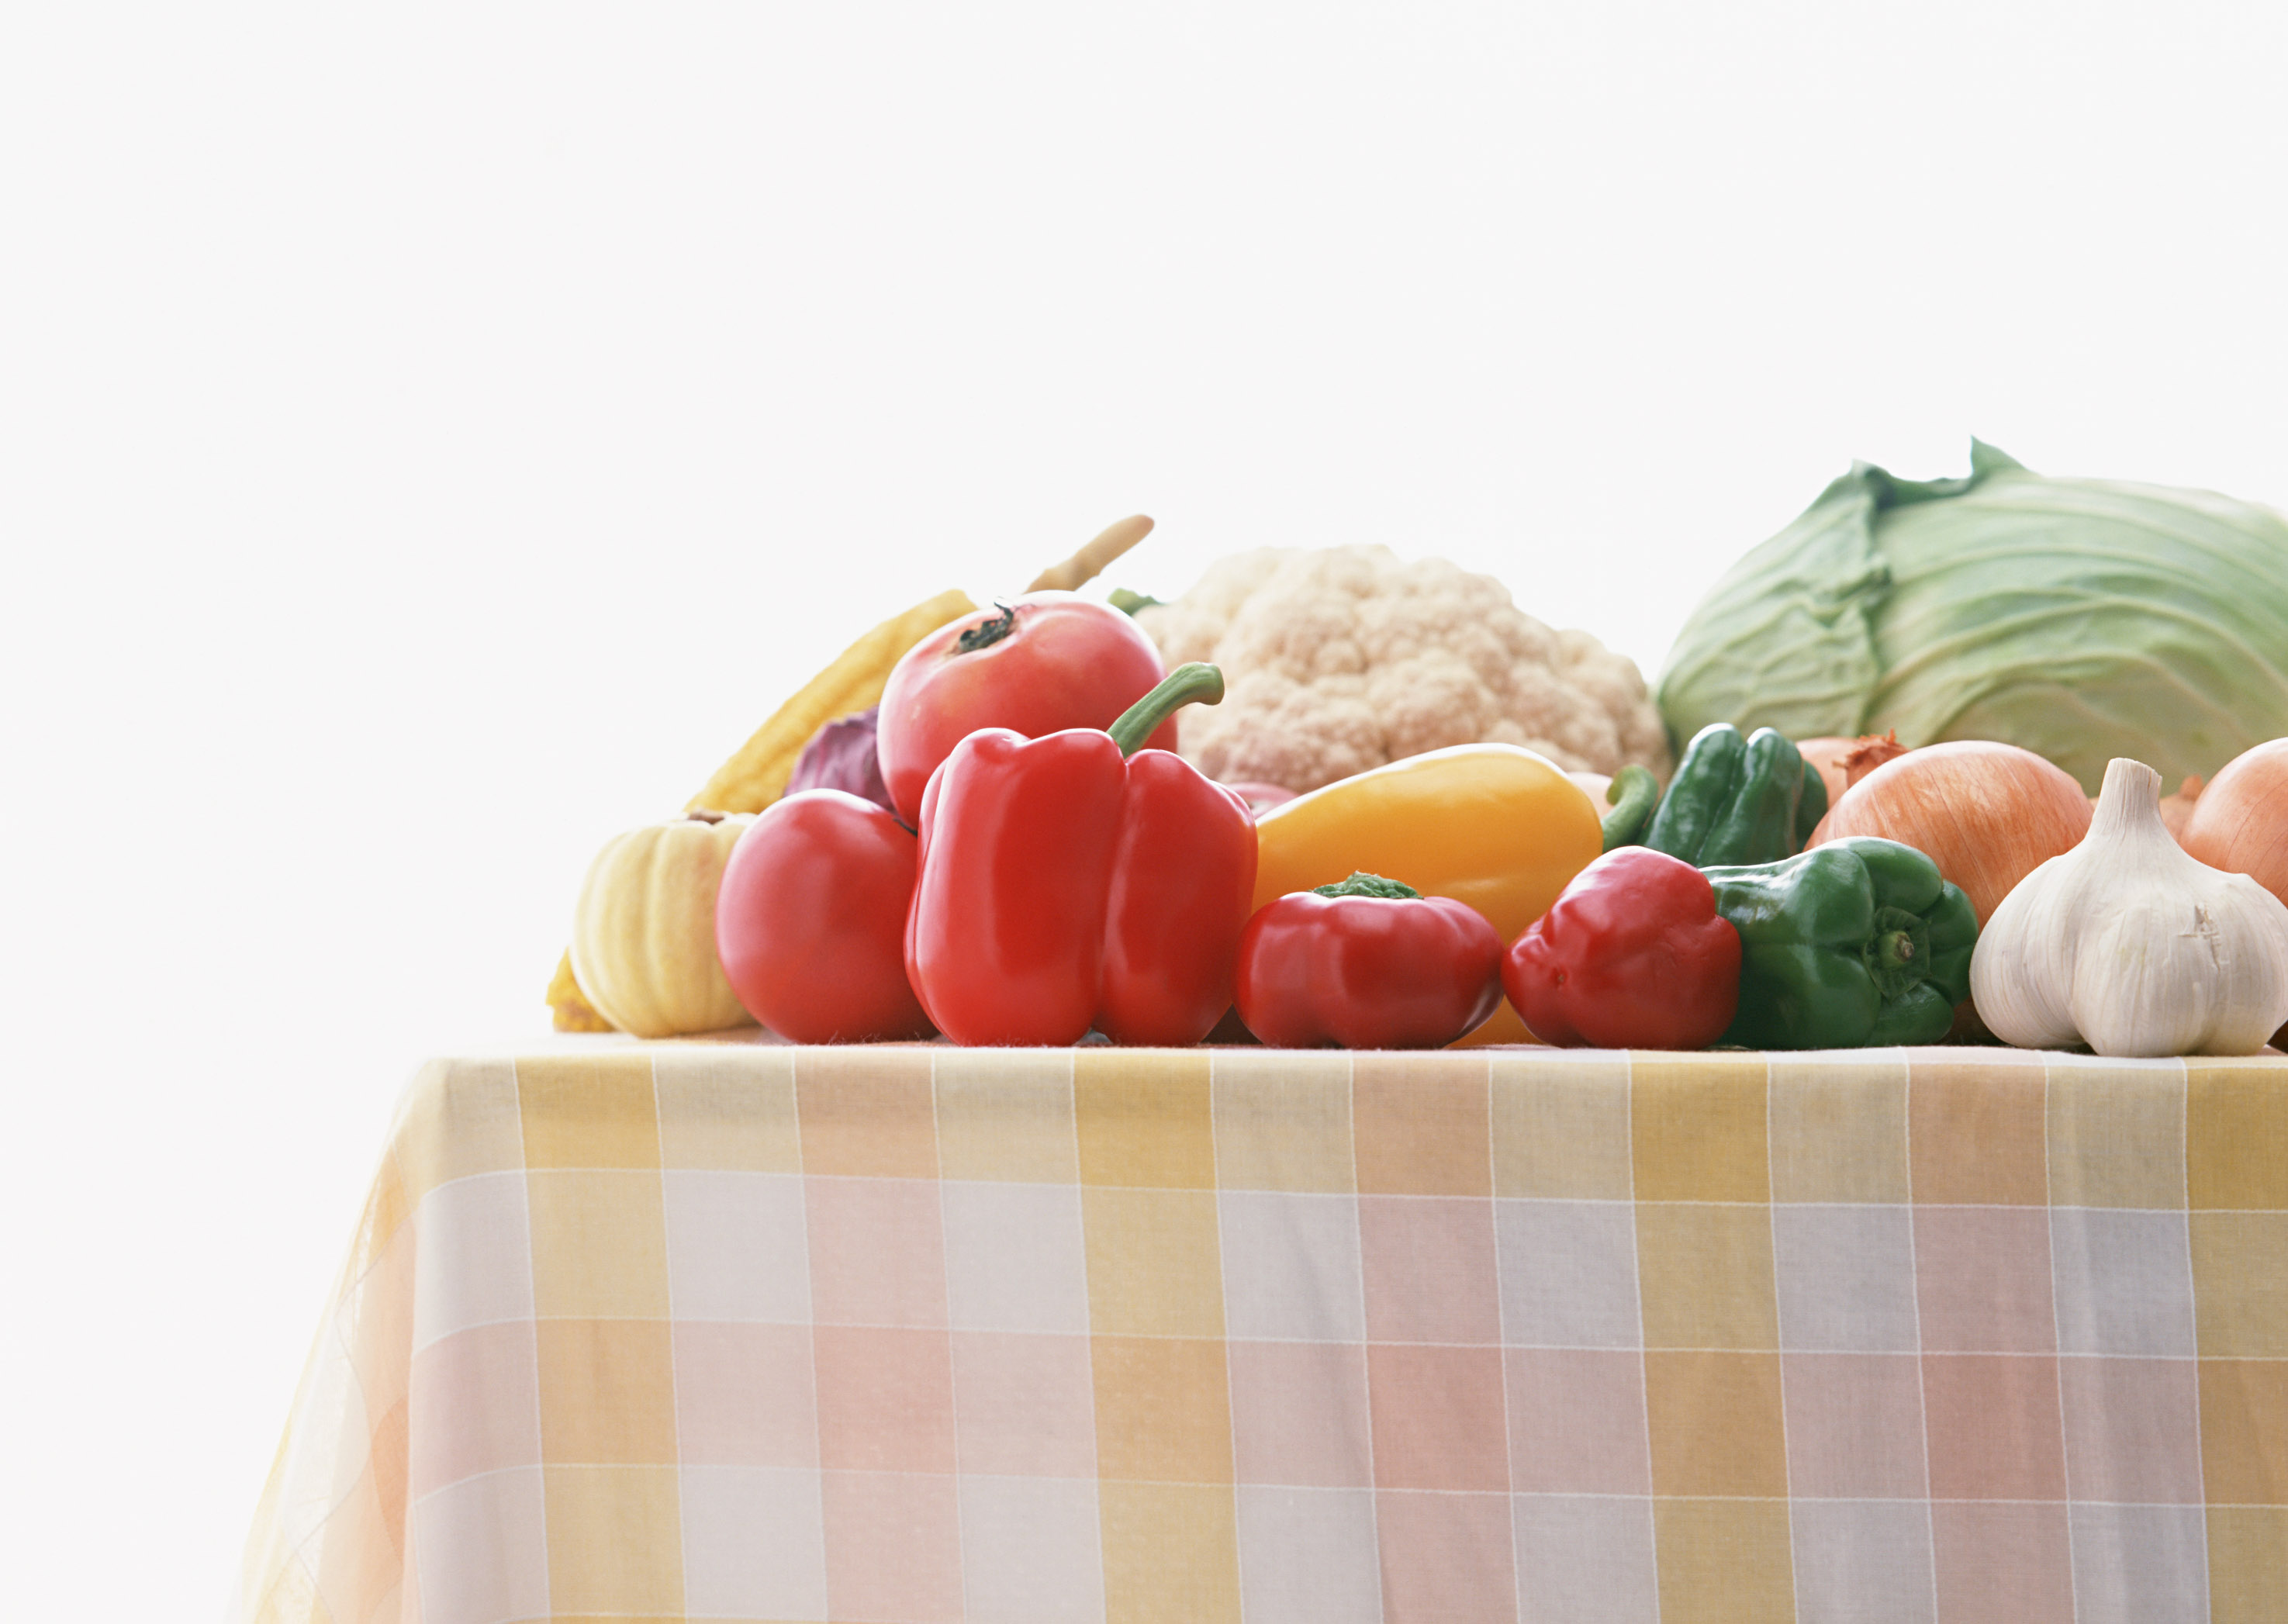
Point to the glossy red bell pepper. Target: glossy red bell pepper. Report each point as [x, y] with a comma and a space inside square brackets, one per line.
[810, 921]
[1076, 881]
[1633, 955]
[1368, 963]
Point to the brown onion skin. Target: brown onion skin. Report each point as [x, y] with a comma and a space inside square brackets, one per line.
[2240, 822]
[1826, 758]
[1987, 814]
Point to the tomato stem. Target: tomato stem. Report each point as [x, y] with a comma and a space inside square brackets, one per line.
[986, 633]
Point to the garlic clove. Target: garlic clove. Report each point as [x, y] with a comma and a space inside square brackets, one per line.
[2130, 946]
[2021, 990]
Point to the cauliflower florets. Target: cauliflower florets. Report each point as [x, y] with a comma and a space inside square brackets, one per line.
[1339, 660]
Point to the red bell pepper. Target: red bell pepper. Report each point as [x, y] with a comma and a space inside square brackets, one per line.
[1633, 955]
[1076, 880]
[810, 921]
[1368, 963]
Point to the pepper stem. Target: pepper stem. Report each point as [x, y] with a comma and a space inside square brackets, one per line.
[1897, 956]
[1634, 794]
[1364, 884]
[1187, 685]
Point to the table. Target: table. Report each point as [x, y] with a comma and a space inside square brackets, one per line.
[746, 1331]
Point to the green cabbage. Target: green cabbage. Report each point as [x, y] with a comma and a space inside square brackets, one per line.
[2081, 618]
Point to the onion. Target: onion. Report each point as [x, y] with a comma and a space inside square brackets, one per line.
[1842, 762]
[2239, 822]
[1872, 751]
[2177, 809]
[1826, 758]
[1987, 814]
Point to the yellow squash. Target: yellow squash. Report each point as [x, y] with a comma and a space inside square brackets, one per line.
[643, 934]
[1495, 826]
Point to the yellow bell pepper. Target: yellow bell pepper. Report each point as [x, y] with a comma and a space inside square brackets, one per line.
[1495, 826]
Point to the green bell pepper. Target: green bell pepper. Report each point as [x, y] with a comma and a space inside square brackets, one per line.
[1735, 800]
[1855, 943]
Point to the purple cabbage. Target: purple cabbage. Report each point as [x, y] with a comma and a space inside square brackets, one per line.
[840, 756]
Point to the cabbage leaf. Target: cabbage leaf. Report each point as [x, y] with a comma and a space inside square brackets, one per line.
[2082, 619]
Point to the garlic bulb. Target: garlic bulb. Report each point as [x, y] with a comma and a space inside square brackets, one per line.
[2128, 945]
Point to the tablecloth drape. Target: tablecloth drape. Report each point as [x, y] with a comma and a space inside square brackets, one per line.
[908, 1333]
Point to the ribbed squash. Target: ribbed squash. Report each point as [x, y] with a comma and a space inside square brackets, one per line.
[643, 935]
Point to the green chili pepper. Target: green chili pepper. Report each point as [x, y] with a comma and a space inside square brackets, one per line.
[1854, 943]
[1632, 795]
[1735, 800]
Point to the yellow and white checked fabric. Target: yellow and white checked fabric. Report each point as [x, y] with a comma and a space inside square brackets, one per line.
[916, 1333]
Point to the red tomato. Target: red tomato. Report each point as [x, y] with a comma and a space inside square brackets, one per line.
[1047, 662]
[810, 921]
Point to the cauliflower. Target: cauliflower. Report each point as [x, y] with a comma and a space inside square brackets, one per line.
[1339, 660]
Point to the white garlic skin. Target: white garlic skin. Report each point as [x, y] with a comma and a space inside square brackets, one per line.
[2129, 945]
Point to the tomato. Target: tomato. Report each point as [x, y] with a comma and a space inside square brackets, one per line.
[1036, 665]
[810, 921]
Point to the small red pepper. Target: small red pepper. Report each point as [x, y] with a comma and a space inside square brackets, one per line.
[1075, 879]
[810, 921]
[1633, 955]
[1368, 963]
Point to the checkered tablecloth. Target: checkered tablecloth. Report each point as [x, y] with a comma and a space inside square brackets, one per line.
[736, 1331]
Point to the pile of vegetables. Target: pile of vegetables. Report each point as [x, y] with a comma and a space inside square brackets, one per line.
[979, 823]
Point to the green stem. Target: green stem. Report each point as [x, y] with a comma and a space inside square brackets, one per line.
[1187, 685]
[986, 633]
[1898, 954]
[1634, 794]
[1364, 884]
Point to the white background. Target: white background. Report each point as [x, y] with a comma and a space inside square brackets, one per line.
[428, 444]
